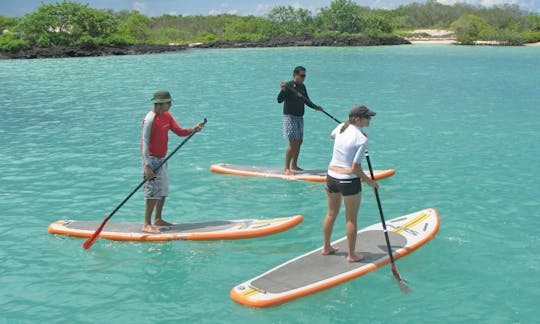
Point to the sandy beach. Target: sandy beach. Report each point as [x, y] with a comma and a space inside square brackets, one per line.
[443, 36]
[432, 41]
[432, 36]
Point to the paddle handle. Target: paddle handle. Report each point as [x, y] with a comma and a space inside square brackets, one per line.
[92, 239]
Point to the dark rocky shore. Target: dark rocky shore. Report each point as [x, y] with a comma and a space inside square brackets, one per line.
[86, 50]
[291, 41]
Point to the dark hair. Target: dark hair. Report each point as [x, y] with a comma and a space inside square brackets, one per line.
[299, 69]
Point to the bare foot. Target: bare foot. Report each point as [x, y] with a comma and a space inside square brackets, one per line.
[287, 171]
[297, 169]
[331, 250]
[161, 222]
[150, 229]
[355, 257]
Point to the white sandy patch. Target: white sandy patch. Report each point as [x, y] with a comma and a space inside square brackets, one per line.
[434, 32]
[432, 41]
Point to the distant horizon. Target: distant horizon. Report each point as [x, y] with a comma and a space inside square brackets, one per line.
[238, 7]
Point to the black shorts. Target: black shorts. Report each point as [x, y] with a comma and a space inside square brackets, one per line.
[347, 187]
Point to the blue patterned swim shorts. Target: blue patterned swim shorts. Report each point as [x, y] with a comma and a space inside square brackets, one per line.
[293, 127]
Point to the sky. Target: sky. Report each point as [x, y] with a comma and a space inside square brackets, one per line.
[13, 8]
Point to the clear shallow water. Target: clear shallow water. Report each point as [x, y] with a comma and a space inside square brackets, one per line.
[460, 125]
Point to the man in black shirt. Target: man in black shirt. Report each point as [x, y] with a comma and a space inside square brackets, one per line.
[294, 95]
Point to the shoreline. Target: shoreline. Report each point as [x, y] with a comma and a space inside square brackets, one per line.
[91, 50]
[88, 50]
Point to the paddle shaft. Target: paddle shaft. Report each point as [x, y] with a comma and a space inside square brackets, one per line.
[300, 95]
[403, 287]
[92, 239]
[327, 114]
[380, 209]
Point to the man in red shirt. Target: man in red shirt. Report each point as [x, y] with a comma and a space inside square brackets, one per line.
[154, 143]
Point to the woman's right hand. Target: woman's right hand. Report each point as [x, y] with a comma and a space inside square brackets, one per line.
[373, 184]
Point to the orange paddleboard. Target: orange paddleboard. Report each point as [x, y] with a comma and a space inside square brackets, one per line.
[314, 175]
[212, 230]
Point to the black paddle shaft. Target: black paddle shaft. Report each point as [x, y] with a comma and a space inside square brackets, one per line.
[380, 211]
[304, 98]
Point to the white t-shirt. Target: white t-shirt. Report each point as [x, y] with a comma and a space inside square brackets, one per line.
[349, 147]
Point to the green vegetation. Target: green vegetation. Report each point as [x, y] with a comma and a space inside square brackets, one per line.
[69, 23]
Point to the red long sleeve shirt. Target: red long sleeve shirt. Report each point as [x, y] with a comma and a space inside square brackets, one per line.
[155, 134]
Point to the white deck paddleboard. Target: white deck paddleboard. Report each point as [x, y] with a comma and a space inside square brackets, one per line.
[314, 175]
[313, 272]
[213, 230]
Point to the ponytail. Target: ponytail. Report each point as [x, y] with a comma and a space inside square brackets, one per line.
[344, 127]
[347, 123]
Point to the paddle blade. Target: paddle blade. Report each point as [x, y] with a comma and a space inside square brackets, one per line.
[92, 239]
[403, 286]
[402, 283]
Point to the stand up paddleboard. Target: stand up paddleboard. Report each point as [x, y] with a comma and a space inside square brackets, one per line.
[315, 175]
[214, 230]
[313, 272]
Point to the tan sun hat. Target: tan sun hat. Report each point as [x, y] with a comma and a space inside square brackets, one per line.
[161, 96]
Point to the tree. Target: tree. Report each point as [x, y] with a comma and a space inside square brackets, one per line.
[7, 23]
[135, 26]
[291, 21]
[245, 28]
[468, 28]
[501, 16]
[66, 23]
[532, 22]
[342, 16]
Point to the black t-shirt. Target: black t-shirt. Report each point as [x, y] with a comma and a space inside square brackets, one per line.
[294, 97]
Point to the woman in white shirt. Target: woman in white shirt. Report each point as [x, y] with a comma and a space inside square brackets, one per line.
[344, 176]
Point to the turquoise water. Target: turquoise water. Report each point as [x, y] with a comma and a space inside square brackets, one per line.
[459, 124]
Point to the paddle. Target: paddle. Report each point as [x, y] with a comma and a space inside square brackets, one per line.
[300, 95]
[402, 283]
[327, 114]
[305, 100]
[92, 239]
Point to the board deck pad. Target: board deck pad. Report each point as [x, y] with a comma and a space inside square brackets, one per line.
[211, 230]
[314, 175]
[313, 272]
[371, 243]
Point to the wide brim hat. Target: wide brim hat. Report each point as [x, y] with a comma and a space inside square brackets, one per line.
[161, 96]
[361, 111]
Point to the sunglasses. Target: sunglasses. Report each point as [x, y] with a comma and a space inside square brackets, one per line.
[302, 75]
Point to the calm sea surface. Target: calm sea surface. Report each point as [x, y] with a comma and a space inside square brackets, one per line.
[461, 125]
